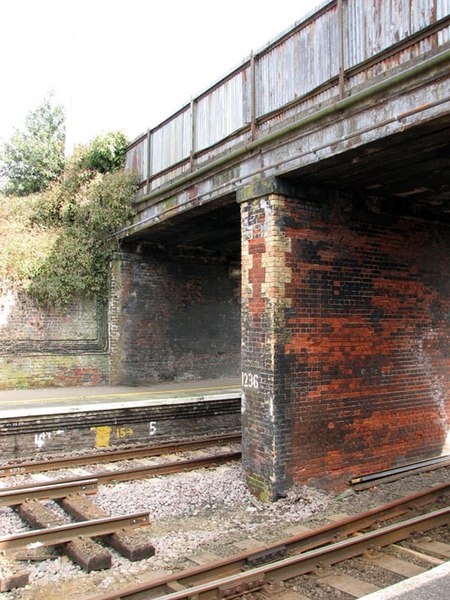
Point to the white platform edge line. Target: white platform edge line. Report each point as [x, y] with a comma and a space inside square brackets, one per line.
[412, 584]
[103, 406]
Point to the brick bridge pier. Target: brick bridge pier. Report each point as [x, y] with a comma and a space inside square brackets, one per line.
[344, 336]
[293, 224]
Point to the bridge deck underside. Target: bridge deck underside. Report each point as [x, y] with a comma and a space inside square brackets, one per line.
[412, 165]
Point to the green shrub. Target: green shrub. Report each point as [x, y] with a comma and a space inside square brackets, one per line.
[107, 153]
[59, 243]
[79, 263]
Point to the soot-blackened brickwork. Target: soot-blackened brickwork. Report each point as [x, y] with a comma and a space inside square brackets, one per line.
[345, 340]
[25, 437]
[173, 320]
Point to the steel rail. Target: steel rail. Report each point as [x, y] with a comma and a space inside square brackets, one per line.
[164, 468]
[365, 482]
[115, 455]
[294, 566]
[65, 533]
[297, 544]
[13, 497]
[395, 470]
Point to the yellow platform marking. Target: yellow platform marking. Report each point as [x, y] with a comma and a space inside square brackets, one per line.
[102, 436]
[119, 395]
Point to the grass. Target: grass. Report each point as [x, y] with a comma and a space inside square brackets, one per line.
[23, 247]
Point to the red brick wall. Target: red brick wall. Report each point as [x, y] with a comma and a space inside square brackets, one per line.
[346, 322]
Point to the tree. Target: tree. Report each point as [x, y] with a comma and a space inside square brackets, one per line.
[34, 158]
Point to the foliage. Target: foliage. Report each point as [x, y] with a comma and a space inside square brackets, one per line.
[23, 248]
[106, 153]
[59, 243]
[33, 158]
[79, 262]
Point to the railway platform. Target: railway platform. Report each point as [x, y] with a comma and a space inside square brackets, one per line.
[431, 585]
[40, 401]
[38, 421]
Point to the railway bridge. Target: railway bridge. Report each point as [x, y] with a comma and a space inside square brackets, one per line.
[293, 224]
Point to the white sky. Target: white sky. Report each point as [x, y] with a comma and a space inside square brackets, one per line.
[126, 66]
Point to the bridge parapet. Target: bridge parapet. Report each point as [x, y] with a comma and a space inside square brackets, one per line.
[342, 47]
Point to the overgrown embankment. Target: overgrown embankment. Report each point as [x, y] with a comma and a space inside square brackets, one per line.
[57, 244]
[24, 245]
[55, 250]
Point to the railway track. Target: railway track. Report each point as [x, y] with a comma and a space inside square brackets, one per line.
[130, 473]
[53, 536]
[23, 468]
[75, 539]
[310, 552]
[70, 493]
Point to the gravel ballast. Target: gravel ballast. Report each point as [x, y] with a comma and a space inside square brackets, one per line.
[193, 512]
